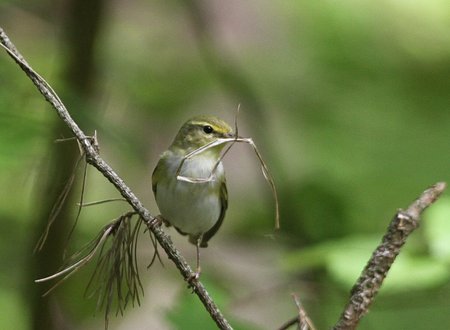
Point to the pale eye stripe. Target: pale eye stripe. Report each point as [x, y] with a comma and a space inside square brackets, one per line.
[202, 123]
[205, 123]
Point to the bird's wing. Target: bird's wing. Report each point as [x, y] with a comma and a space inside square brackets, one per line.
[156, 176]
[224, 203]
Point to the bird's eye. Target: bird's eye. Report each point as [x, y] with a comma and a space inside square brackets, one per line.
[207, 129]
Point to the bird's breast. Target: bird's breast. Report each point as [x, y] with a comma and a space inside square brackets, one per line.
[191, 207]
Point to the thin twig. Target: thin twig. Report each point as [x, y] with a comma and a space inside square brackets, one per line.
[304, 322]
[95, 203]
[93, 158]
[302, 319]
[56, 209]
[368, 284]
[80, 203]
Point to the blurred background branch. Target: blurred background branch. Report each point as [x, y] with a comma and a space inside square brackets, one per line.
[78, 42]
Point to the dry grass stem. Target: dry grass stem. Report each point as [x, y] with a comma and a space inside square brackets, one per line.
[265, 170]
[103, 201]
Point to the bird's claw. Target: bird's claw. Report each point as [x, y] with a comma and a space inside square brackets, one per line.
[194, 277]
[160, 221]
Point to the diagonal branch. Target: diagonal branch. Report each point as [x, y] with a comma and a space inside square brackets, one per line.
[370, 280]
[93, 158]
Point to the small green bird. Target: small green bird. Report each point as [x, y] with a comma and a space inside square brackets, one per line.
[194, 207]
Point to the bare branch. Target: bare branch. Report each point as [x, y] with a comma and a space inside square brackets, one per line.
[93, 158]
[302, 319]
[370, 280]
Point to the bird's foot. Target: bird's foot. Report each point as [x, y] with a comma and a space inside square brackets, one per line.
[160, 221]
[194, 277]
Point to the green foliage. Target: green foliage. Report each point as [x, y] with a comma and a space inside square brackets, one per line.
[13, 314]
[344, 260]
[437, 230]
[189, 313]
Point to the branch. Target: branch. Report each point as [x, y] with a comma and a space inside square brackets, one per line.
[302, 320]
[93, 158]
[368, 284]
[371, 278]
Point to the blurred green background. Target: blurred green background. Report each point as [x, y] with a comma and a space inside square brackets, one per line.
[349, 102]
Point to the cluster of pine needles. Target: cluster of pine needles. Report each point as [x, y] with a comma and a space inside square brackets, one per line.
[115, 280]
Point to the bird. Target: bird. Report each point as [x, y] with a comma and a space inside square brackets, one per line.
[190, 189]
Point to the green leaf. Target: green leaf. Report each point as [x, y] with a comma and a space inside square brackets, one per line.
[437, 229]
[345, 259]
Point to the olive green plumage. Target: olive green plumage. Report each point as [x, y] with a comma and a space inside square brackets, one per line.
[194, 209]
